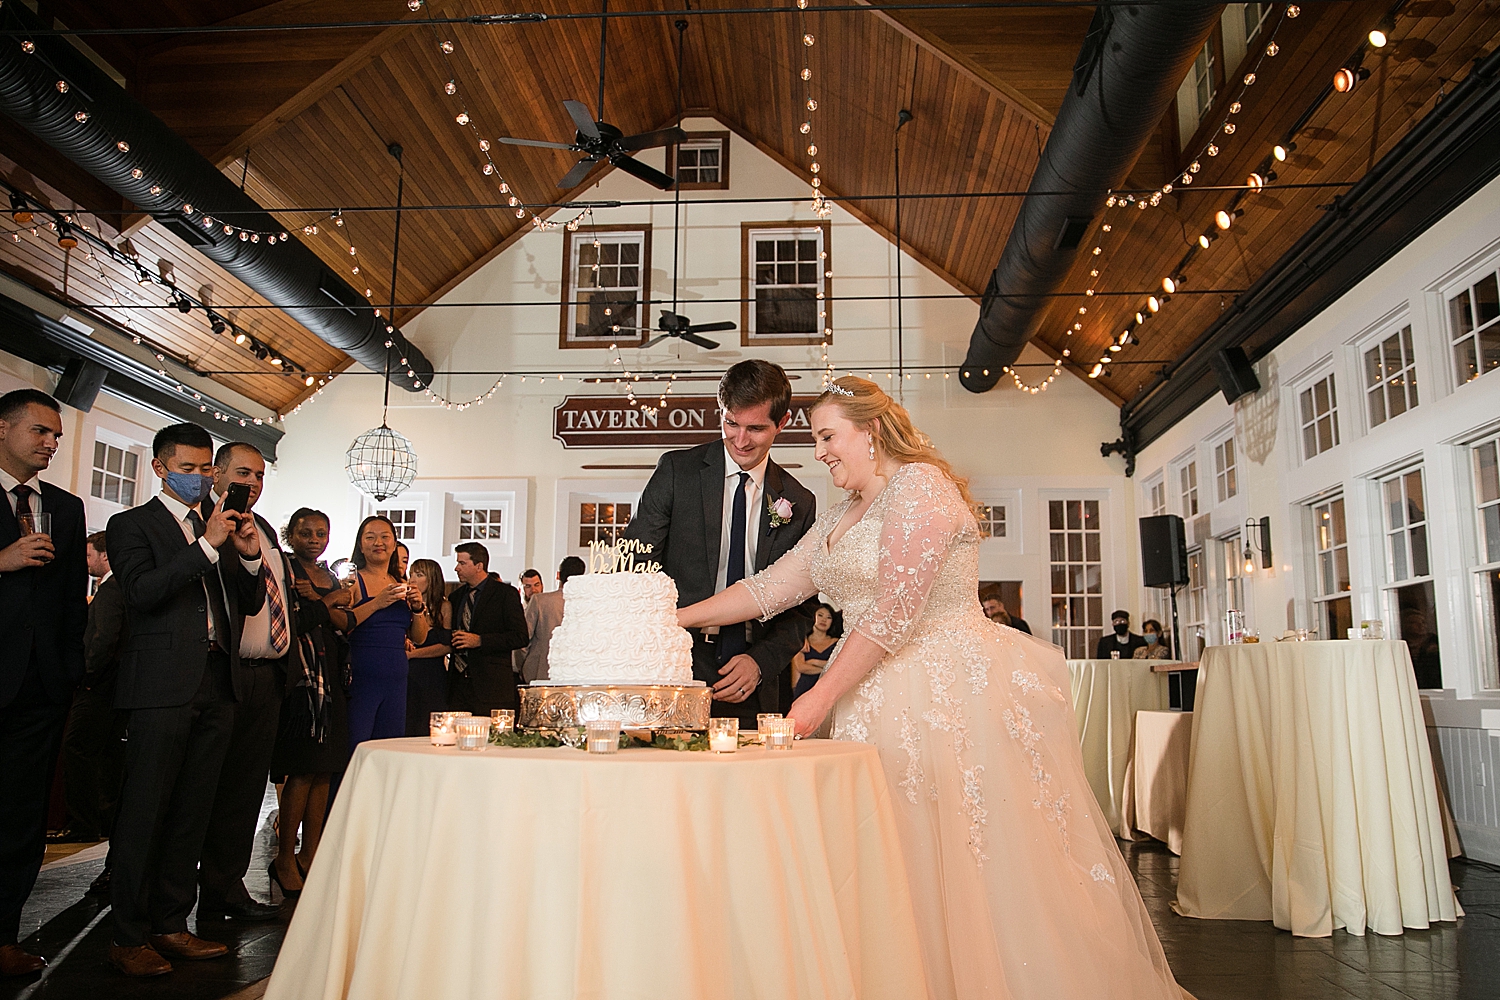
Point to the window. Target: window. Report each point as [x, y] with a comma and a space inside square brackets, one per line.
[1254, 15]
[785, 284]
[1196, 609]
[1412, 598]
[1334, 615]
[478, 524]
[601, 522]
[606, 285]
[1318, 408]
[1487, 498]
[1157, 497]
[1225, 481]
[703, 161]
[114, 474]
[1232, 551]
[1475, 334]
[1188, 478]
[991, 520]
[1077, 576]
[404, 519]
[1390, 378]
[1203, 78]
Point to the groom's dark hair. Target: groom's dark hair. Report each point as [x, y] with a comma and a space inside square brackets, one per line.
[753, 382]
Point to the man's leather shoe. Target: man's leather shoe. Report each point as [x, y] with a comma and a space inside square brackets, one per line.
[15, 962]
[186, 945]
[100, 885]
[247, 910]
[138, 960]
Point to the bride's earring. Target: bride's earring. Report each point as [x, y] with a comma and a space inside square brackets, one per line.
[872, 447]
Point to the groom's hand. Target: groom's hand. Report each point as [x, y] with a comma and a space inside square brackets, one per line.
[741, 677]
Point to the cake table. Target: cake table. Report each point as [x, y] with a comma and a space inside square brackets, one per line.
[547, 874]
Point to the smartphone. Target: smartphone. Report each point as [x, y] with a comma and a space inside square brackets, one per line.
[237, 497]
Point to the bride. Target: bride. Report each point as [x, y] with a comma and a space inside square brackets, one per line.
[1019, 888]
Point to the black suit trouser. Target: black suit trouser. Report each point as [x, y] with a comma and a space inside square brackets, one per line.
[230, 838]
[93, 762]
[31, 730]
[484, 687]
[769, 696]
[173, 757]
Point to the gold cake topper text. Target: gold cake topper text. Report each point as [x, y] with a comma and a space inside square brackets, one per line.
[619, 556]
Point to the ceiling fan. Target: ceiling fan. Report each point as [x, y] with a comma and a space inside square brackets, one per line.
[599, 141]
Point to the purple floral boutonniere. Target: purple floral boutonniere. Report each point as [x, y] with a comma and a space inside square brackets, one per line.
[780, 510]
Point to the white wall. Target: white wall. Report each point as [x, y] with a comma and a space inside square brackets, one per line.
[1277, 480]
[1008, 440]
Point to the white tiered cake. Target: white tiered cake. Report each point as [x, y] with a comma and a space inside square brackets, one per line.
[620, 629]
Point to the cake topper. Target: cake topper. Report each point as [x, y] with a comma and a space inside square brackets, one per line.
[619, 557]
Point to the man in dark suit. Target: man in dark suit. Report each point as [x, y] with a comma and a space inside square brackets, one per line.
[489, 624]
[267, 640]
[44, 594]
[1123, 643]
[723, 511]
[189, 582]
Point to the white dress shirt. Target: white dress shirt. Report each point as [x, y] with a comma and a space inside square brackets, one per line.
[179, 512]
[754, 492]
[255, 634]
[9, 482]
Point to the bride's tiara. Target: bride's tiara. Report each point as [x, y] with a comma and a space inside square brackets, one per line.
[839, 390]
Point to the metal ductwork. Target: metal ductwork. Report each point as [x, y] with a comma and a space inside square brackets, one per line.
[121, 136]
[1131, 64]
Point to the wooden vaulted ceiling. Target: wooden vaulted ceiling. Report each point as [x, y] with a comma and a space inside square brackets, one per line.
[315, 111]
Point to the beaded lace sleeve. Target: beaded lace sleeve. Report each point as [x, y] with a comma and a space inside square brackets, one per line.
[788, 581]
[923, 513]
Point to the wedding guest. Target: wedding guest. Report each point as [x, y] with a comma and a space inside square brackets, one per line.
[1156, 647]
[189, 583]
[427, 663]
[382, 617]
[267, 639]
[1123, 644]
[531, 585]
[93, 750]
[543, 614]
[44, 591]
[488, 625]
[808, 664]
[403, 559]
[312, 739]
[995, 611]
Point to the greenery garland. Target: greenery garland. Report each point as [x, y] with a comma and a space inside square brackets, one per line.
[574, 736]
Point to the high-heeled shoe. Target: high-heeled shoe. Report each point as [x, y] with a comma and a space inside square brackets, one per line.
[276, 881]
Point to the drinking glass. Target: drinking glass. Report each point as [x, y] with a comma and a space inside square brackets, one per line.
[473, 732]
[38, 523]
[503, 719]
[780, 735]
[723, 735]
[440, 727]
[603, 736]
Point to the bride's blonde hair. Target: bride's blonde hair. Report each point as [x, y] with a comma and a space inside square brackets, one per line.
[865, 405]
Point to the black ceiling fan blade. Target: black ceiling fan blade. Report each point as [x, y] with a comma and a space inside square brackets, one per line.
[583, 118]
[711, 327]
[647, 140]
[535, 142]
[580, 171]
[649, 174]
[704, 342]
[655, 340]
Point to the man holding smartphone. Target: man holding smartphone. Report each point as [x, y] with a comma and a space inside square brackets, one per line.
[189, 581]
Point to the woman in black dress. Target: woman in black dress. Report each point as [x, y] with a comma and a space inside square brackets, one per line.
[427, 676]
[312, 743]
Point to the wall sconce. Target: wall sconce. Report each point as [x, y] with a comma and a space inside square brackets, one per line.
[1266, 562]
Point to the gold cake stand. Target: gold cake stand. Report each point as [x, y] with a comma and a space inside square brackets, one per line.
[634, 706]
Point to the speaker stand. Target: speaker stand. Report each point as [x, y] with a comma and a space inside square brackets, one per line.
[1176, 639]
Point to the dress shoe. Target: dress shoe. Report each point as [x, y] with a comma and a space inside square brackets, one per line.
[138, 960]
[188, 946]
[15, 962]
[245, 910]
[100, 885]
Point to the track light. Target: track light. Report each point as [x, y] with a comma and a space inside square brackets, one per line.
[1346, 79]
[1168, 285]
[276, 361]
[1255, 181]
[183, 305]
[240, 337]
[1281, 151]
[308, 381]
[19, 210]
[1207, 239]
[1139, 319]
[1153, 303]
[1224, 218]
[65, 237]
[1114, 348]
[216, 323]
[1377, 39]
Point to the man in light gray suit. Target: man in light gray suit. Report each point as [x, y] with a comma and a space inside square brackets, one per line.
[544, 613]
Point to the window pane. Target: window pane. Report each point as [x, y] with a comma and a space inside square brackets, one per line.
[1419, 566]
[1341, 570]
[127, 493]
[99, 449]
[765, 250]
[1465, 360]
[1325, 433]
[1486, 301]
[1093, 579]
[1059, 579]
[1397, 395]
[1336, 509]
[1394, 509]
[112, 489]
[113, 459]
[1491, 518]
[1416, 507]
[1460, 315]
[1489, 349]
[1075, 515]
[1075, 546]
[1059, 544]
[1055, 514]
[1487, 472]
[96, 488]
[1320, 396]
[1091, 514]
[1307, 406]
[1091, 547]
[1373, 369]
[1419, 630]
[130, 464]
[1309, 441]
[1096, 612]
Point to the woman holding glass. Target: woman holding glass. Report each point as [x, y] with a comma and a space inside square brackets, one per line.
[383, 614]
[427, 677]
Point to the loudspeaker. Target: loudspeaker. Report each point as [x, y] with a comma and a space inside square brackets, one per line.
[80, 384]
[1235, 375]
[1163, 551]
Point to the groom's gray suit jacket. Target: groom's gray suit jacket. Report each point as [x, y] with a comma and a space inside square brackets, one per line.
[681, 515]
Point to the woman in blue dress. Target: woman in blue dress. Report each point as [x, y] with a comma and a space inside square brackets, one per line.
[807, 665]
[384, 614]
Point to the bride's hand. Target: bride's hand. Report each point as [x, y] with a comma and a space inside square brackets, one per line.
[808, 712]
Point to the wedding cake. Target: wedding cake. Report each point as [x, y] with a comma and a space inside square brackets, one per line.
[620, 628]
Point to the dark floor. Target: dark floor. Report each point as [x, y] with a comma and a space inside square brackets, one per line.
[1213, 959]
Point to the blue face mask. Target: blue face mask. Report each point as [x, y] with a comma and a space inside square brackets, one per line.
[1151, 638]
[189, 486]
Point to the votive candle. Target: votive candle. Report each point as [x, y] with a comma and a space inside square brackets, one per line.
[723, 735]
[779, 736]
[503, 719]
[603, 736]
[473, 732]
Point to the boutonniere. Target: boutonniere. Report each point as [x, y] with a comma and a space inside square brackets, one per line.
[780, 510]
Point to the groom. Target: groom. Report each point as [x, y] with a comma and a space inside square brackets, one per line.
[718, 513]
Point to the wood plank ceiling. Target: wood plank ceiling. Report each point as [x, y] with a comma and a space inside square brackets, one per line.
[316, 110]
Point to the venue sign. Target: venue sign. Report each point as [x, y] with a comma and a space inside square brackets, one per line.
[613, 422]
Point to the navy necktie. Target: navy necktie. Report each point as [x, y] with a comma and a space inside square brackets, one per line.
[732, 637]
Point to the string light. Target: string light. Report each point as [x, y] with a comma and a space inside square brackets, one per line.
[820, 206]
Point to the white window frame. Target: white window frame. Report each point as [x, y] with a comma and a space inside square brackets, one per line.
[1189, 488]
[1195, 616]
[120, 443]
[1091, 629]
[1485, 569]
[698, 141]
[1463, 371]
[1380, 378]
[755, 233]
[1309, 417]
[1325, 548]
[574, 244]
[1226, 468]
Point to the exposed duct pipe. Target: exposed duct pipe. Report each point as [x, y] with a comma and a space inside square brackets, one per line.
[287, 274]
[1132, 61]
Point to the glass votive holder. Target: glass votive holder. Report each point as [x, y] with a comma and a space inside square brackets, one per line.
[723, 735]
[602, 736]
[779, 735]
[473, 732]
[440, 726]
[503, 720]
[1303, 635]
[763, 724]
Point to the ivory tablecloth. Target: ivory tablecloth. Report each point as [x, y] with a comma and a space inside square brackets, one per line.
[1157, 805]
[1106, 696]
[551, 873]
[1311, 795]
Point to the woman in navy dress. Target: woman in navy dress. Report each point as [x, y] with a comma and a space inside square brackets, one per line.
[384, 614]
[427, 682]
[807, 666]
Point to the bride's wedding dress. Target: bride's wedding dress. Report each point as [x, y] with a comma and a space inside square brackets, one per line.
[1019, 888]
